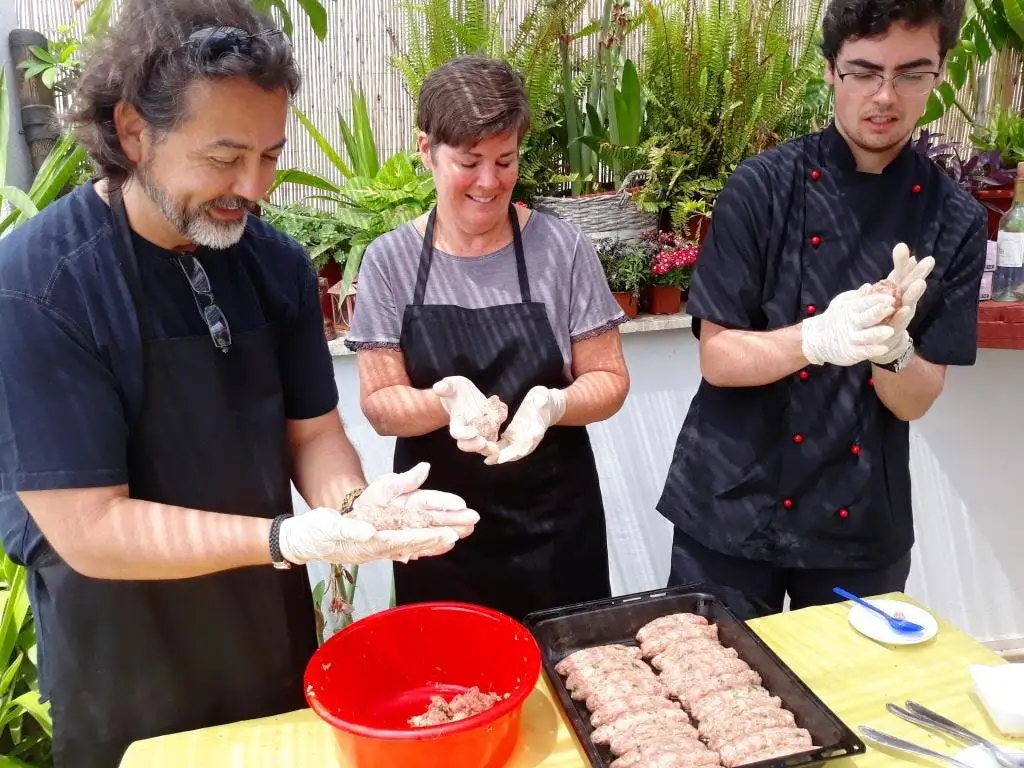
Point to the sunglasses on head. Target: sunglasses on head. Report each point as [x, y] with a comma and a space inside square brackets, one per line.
[211, 43]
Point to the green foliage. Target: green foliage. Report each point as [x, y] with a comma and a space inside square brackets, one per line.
[26, 729]
[722, 82]
[319, 232]
[360, 146]
[59, 64]
[438, 31]
[626, 264]
[1003, 133]
[313, 10]
[989, 26]
[62, 166]
[357, 212]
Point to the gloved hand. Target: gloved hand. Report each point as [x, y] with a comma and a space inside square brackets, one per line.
[909, 275]
[541, 408]
[399, 497]
[325, 534]
[849, 331]
[465, 404]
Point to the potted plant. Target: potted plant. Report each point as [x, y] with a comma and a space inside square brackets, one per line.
[722, 82]
[1001, 142]
[625, 265]
[986, 174]
[671, 258]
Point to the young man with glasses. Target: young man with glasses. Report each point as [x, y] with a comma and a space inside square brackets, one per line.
[164, 379]
[791, 471]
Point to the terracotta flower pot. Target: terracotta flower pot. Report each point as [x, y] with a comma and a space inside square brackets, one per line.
[628, 301]
[666, 300]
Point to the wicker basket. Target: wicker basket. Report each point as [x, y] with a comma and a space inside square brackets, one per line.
[604, 214]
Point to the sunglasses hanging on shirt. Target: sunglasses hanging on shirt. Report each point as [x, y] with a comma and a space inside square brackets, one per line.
[212, 314]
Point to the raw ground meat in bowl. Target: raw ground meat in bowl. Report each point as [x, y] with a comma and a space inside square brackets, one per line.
[369, 679]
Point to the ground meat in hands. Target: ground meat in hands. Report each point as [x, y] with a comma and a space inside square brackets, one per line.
[393, 518]
[462, 705]
[489, 422]
[889, 287]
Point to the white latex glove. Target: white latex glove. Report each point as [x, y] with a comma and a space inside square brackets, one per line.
[541, 408]
[849, 331]
[909, 274]
[324, 534]
[464, 402]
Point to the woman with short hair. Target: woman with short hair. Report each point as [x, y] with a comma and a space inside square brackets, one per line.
[487, 339]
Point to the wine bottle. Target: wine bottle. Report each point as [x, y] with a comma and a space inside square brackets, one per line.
[1008, 280]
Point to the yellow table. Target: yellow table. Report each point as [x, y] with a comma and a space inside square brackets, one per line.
[853, 675]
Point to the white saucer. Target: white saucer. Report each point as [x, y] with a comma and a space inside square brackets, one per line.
[979, 757]
[874, 626]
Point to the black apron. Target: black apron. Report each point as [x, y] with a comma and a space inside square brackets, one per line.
[128, 660]
[541, 539]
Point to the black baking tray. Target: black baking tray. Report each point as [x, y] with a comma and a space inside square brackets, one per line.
[560, 631]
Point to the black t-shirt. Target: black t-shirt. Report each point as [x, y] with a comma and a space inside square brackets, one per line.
[812, 471]
[71, 377]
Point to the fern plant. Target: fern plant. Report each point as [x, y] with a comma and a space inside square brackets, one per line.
[722, 81]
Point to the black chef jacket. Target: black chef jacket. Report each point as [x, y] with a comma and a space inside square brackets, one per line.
[813, 471]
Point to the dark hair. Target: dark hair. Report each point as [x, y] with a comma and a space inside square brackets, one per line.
[154, 51]
[847, 20]
[470, 98]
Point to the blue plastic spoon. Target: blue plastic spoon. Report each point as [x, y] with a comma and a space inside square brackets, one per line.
[903, 626]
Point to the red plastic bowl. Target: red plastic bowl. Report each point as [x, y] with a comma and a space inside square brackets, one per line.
[370, 678]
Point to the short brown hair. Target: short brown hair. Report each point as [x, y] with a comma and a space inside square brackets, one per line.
[470, 98]
[154, 51]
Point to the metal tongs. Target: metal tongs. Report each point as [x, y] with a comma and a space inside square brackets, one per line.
[919, 715]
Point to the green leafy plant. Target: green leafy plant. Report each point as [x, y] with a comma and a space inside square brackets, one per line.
[59, 64]
[989, 28]
[438, 31]
[62, 166]
[359, 142]
[616, 140]
[319, 232]
[606, 131]
[1003, 133]
[626, 264]
[367, 208]
[314, 11]
[26, 729]
[721, 82]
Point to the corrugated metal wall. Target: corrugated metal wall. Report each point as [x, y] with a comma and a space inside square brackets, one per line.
[357, 48]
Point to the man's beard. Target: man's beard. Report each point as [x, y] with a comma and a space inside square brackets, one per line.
[195, 223]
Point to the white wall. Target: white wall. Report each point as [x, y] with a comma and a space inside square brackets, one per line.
[968, 564]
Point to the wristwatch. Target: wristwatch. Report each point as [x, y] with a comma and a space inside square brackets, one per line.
[275, 544]
[902, 361]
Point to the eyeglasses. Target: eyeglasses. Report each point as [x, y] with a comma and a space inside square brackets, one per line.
[905, 83]
[207, 305]
[211, 43]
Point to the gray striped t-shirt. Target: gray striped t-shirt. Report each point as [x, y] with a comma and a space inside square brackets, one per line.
[563, 269]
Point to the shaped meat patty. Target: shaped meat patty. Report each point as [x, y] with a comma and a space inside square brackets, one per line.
[738, 752]
[733, 700]
[667, 719]
[610, 712]
[672, 621]
[720, 731]
[594, 654]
